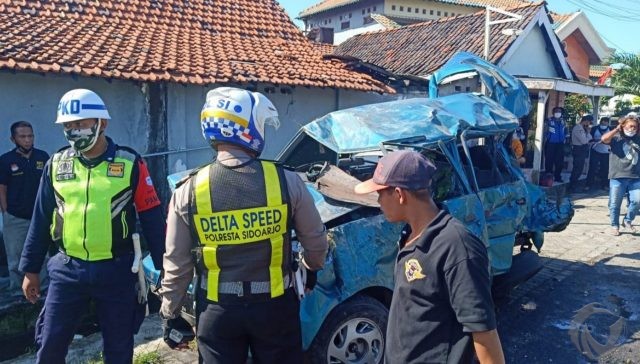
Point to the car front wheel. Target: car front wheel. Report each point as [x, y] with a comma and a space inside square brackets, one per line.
[354, 332]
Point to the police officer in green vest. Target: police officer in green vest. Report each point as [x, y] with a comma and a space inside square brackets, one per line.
[231, 221]
[86, 205]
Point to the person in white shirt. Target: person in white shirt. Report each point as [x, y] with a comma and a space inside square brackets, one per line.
[580, 138]
[599, 158]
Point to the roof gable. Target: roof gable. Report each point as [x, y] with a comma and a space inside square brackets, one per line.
[578, 24]
[187, 41]
[421, 48]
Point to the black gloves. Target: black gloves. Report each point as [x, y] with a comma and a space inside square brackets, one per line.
[312, 279]
[177, 332]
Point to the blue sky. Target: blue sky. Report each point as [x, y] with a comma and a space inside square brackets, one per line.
[615, 31]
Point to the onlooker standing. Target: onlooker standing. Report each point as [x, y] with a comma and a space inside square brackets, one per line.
[624, 171]
[555, 138]
[580, 138]
[20, 172]
[441, 309]
[599, 158]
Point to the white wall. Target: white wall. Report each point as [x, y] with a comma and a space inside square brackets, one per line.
[34, 98]
[295, 110]
[356, 20]
[533, 45]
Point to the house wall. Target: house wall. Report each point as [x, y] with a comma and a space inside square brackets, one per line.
[344, 35]
[34, 98]
[355, 15]
[577, 58]
[520, 64]
[299, 107]
[427, 10]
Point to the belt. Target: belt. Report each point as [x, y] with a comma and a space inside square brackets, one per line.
[238, 288]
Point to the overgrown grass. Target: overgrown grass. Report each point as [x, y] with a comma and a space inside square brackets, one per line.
[152, 357]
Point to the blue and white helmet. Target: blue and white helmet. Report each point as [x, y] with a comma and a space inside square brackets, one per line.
[237, 116]
[81, 104]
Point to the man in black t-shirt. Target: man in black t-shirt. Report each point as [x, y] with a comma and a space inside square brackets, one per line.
[441, 310]
[20, 172]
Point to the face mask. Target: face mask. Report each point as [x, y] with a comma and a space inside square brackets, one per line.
[557, 115]
[630, 133]
[83, 139]
[603, 127]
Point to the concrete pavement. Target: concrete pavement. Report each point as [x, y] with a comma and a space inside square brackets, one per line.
[582, 307]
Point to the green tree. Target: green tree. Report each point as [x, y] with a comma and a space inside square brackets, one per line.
[623, 108]
[576, 105]
[626, 79]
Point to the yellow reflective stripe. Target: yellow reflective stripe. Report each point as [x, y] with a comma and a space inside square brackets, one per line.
[213, 274]
[272, 184]
[202, 193]
[275, 268]
[225, 115]
[274, 197]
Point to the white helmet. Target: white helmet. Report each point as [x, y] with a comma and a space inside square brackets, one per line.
[237, 116]
[81, 104]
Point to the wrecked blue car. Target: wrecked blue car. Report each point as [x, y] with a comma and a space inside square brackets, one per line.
[477, 180]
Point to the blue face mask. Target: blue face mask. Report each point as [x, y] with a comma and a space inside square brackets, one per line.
[604, 127]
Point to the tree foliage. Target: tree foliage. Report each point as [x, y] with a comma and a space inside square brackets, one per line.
[626, 79]
[576, 105]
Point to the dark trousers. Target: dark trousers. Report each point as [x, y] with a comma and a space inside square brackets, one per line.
[579, 153]
[269, 329]
[73, 283]
[554, 159]
[598, 168]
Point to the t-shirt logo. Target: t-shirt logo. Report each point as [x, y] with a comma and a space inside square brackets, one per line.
[14, 167]
[39, 165]
[413, 270]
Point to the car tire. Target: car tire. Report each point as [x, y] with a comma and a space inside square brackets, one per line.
[354, 332]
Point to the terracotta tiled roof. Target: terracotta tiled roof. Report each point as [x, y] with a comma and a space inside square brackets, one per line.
[560, 18]
[332, 4]
[186, 41]
[597, 71]
[325, 5]
[421, 48]
[384, 21]
[503, 4]
[324, 48]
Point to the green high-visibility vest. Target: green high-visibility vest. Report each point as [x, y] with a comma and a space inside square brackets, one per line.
[94, 216]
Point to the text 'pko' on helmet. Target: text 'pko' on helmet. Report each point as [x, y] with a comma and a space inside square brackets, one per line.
[81, 104]
[237, 116]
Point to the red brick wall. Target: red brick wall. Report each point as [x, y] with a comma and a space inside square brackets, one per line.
[577, 57]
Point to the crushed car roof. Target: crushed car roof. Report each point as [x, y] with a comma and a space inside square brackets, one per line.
[365, 127]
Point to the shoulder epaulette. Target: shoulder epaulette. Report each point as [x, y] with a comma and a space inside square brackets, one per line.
[128, 150]
[63, 149]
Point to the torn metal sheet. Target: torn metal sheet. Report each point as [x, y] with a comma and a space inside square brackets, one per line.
[502, 87]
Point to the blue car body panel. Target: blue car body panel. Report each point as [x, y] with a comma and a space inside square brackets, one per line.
[362, 243]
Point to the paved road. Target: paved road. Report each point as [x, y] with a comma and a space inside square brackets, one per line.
[585, 299]
[590, 281]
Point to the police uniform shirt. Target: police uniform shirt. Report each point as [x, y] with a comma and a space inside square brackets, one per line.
[178, 260]
[442, 294]
[22, 177]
